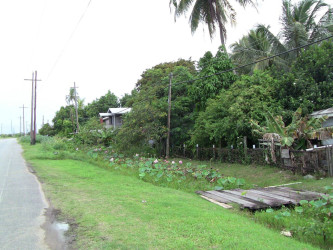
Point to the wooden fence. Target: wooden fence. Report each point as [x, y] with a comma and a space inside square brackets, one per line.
[317, 161]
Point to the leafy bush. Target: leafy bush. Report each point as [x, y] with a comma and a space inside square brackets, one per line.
[164, 171]
[39, 138]
[93, 133]
[55, 143]
[311, 221]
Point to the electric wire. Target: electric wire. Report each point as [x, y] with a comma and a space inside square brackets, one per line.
[257, 61]
[68, 40]
[242, 66]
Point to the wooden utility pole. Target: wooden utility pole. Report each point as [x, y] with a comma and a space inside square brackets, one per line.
[35, 110]
[23, 119]
[20, 126]
[33, 107]
[167, 154]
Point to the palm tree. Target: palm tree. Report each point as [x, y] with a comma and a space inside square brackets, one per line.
[258, 45]
[299, 22]
[211, 12]
[299, 28]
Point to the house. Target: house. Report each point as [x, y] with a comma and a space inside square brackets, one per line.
[113, 118]
[326, 137]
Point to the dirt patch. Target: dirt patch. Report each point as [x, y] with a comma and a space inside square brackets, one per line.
[31, 169]
[58, 235]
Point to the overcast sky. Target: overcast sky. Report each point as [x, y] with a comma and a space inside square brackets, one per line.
[108, 49]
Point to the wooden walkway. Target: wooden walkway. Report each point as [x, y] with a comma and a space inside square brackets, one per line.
[260, 198]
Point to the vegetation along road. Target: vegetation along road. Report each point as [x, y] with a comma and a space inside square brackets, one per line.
[108, 209]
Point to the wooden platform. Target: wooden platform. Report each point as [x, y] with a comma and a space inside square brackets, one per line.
[260, 198]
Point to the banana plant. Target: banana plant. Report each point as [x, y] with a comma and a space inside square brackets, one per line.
[298, 133]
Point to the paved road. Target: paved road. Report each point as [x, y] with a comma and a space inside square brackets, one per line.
[22, 202]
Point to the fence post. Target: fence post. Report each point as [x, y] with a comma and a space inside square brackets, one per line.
[329, 156]
[184, 150]
[214, 153]
[197, 151]
[245, 147]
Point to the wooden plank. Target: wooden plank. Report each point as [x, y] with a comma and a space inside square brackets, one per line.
[260, 197]
[283, 200]
[302, 193]
[269, 201]
[214, 197]
[283, 185]
[281, 193]
[240, 200]
[216, 202]
[294, 194]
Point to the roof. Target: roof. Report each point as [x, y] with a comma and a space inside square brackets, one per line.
[325, 112]
[105, 114]
[115, 111]
[119, 110]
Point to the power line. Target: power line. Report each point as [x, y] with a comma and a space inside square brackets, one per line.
[254, 62]
[69, 39]
[245, 65]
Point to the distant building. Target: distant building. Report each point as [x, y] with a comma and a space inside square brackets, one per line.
[326, 137]
[113, 118]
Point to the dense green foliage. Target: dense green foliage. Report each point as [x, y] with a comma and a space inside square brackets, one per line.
[146, 123]
[228, 116]
[102, 104]
[310, 221]
[309, 84]
[207, 108]
[213, 104]
[209, 87]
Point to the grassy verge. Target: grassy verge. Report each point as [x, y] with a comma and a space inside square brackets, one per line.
[116, 211]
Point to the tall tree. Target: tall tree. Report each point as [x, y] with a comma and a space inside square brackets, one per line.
[299, 22]
[148, 119]
[209, 87]
[227, 115]
[212, 12]
[102, 104]
[258, 44]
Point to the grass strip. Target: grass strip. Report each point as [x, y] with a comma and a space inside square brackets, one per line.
[115, 211]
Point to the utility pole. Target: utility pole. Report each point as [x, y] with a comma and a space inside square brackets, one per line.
[76, 110]
[23, 119]
[33, 107]
[169, 118]
[20, 125]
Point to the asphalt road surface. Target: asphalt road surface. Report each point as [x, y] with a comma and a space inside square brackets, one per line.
[22, 202]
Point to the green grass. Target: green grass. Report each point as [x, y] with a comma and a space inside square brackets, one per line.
[115, 211]
[296, 223]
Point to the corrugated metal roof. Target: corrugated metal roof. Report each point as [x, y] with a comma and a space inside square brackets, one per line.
[113, 111]
[119, 110]
[105, 114]
[325, 112]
